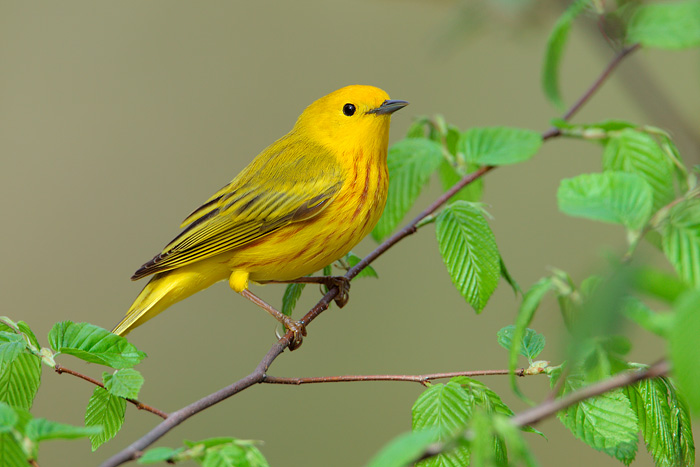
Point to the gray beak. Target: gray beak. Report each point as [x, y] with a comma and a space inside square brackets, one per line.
[389, 106]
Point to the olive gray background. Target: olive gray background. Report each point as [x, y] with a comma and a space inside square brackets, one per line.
[119, 118]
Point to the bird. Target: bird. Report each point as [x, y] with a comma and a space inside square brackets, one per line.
[302, 203]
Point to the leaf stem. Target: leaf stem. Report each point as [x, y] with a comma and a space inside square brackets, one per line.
[139, 405]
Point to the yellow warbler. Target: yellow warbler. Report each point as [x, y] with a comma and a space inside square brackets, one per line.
[301, 204]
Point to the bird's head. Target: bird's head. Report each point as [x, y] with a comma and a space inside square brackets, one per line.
[349, 117]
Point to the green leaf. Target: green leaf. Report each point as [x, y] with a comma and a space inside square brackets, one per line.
[555, 48]
[107, 411]
[657, 323]
[531, 344]
[11, 452]
[11, 346]
[681, 240]
[94, 344]
[19, 381]
[485, 398]
[225, 456]
[660, 423]
[607, 422]
[40, 429]
[637, 152]
[8, 418]
[505, 274]
[499, 145]
[352, 259]
[528, 307]
[518, 448]
[12, 447]
[291, 295]
[447, 408]
[666, 26]
[469, 250]
[123, 383]
[411, 162]
[659, 284]
[160, 454]
[684, 348]
[681, 424]
[404, 449]
[450, 175]
[617, 197]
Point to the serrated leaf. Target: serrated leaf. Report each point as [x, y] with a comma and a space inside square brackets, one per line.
[555, 48]
[291, 295]
[658, 422]
[124, 383]
[684, 348]
[19, 381]
[107, 411]
[40, 429]
[637, 152]
[11, 346]
[666, 26]
[499, 145]
[613, 196]
[410, 162]
[449, 176]
[447, 408]
[11, 452]
[12, 449]
[157, 455]
[681, 423]
[352, 260]
[607, 422]
[531, 344]
[404, 449]
[94, 344]
[225, 456]
[469, 251]
[681, 241]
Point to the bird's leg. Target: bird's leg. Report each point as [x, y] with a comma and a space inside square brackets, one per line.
[342, 282]
[298, 328]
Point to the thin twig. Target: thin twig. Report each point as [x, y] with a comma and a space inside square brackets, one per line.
[136, 448]
[422, 379]
[140, 405]
[552, 132]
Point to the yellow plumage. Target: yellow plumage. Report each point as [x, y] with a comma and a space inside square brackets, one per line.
[301, 204]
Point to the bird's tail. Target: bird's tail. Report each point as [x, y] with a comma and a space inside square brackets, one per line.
[167, 288]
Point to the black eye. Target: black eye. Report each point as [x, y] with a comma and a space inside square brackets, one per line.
[349, 110]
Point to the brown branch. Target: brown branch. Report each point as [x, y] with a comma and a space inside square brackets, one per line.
[139, 405]
[552, 132]
[422, 379]
[549, 407]
[258, 375]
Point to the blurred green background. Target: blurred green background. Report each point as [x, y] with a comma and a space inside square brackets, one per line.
[119, 118]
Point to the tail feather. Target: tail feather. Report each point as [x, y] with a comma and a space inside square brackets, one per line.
[167, 288]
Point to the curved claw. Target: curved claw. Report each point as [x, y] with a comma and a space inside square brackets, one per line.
[298, 329]
[343, 285]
